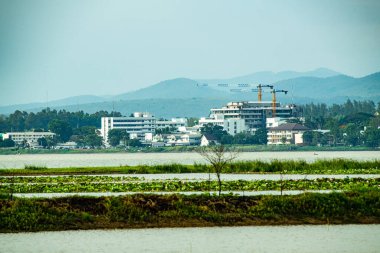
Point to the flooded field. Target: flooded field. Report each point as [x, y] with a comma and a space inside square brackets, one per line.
[95, 160]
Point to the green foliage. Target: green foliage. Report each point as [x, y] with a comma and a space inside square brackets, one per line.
[117, 135]
[21, 121]
[214, 130]
[6, 143]
[34, 167]
[61, 128]
[43, 142]
[139, 210]
[192, 121]
[134, 143]
[110, 184]
[334, 166]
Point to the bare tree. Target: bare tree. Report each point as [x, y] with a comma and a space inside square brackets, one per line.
[219, 158]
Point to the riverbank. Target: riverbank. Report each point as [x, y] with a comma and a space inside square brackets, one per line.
[332, 166]
[176, 149]
[146, 211]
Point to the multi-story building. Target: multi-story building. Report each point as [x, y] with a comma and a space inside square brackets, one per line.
[253, 114]
[29, 138]
[174, 123]
[138, 125]
[289, 133]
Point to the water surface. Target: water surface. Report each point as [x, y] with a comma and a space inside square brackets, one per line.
[285, 239]
[117, 159]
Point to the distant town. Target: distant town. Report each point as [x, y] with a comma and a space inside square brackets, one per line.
[258, 122]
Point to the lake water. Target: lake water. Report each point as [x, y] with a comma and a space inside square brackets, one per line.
[117, 159]
[285, 239]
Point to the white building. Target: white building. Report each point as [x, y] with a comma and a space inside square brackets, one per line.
[182, 139]
[139, 125]
[289, 133]
[274, 122]
[208, 139]
[254, 114]
[232, 125]
[30, 138]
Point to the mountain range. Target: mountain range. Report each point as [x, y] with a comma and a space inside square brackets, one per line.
[194, 97]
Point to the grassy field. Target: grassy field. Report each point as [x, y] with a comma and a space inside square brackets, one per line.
[142, 211]
[334, 166]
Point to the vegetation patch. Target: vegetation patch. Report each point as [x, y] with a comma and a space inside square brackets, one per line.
[333, 166]
[141, 211]
[112, 185]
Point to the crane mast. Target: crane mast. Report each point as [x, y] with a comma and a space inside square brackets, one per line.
[260, 91]
[274, 101]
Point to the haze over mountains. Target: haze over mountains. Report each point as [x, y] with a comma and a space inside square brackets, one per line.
[188, 97]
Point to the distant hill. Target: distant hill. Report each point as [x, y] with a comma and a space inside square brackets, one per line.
[268, 77]
[77, 101]
[166, 108]
[183, 97]
[172, 89]
[330, 87]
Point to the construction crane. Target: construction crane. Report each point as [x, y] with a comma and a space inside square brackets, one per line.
[260, 90]
[243, 87]
[274, 100]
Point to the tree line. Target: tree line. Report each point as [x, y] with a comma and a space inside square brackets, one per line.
[77, 126]
[354, 123]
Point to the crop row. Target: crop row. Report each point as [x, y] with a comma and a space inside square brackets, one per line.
[68, 179]
[177, 186]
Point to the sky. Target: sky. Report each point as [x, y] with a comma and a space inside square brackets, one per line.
[52, 49]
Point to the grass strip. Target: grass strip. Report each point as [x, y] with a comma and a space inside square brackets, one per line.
[333, 166]
[143, 211]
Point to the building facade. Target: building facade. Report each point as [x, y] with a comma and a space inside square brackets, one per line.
[252, 114]
[138, 125]
[289, 133]
[29, 138]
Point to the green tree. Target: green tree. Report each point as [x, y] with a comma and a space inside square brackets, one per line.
[307, 137]
[352, 135]
[117, 135]
[134, 143]
[372, 137]
[61, 128]
[215, 130]
[192, 121]
[261, 136]
[42, 142]
[6, 143]
[93, 140]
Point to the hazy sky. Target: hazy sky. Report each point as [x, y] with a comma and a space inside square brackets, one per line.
[76, 47]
